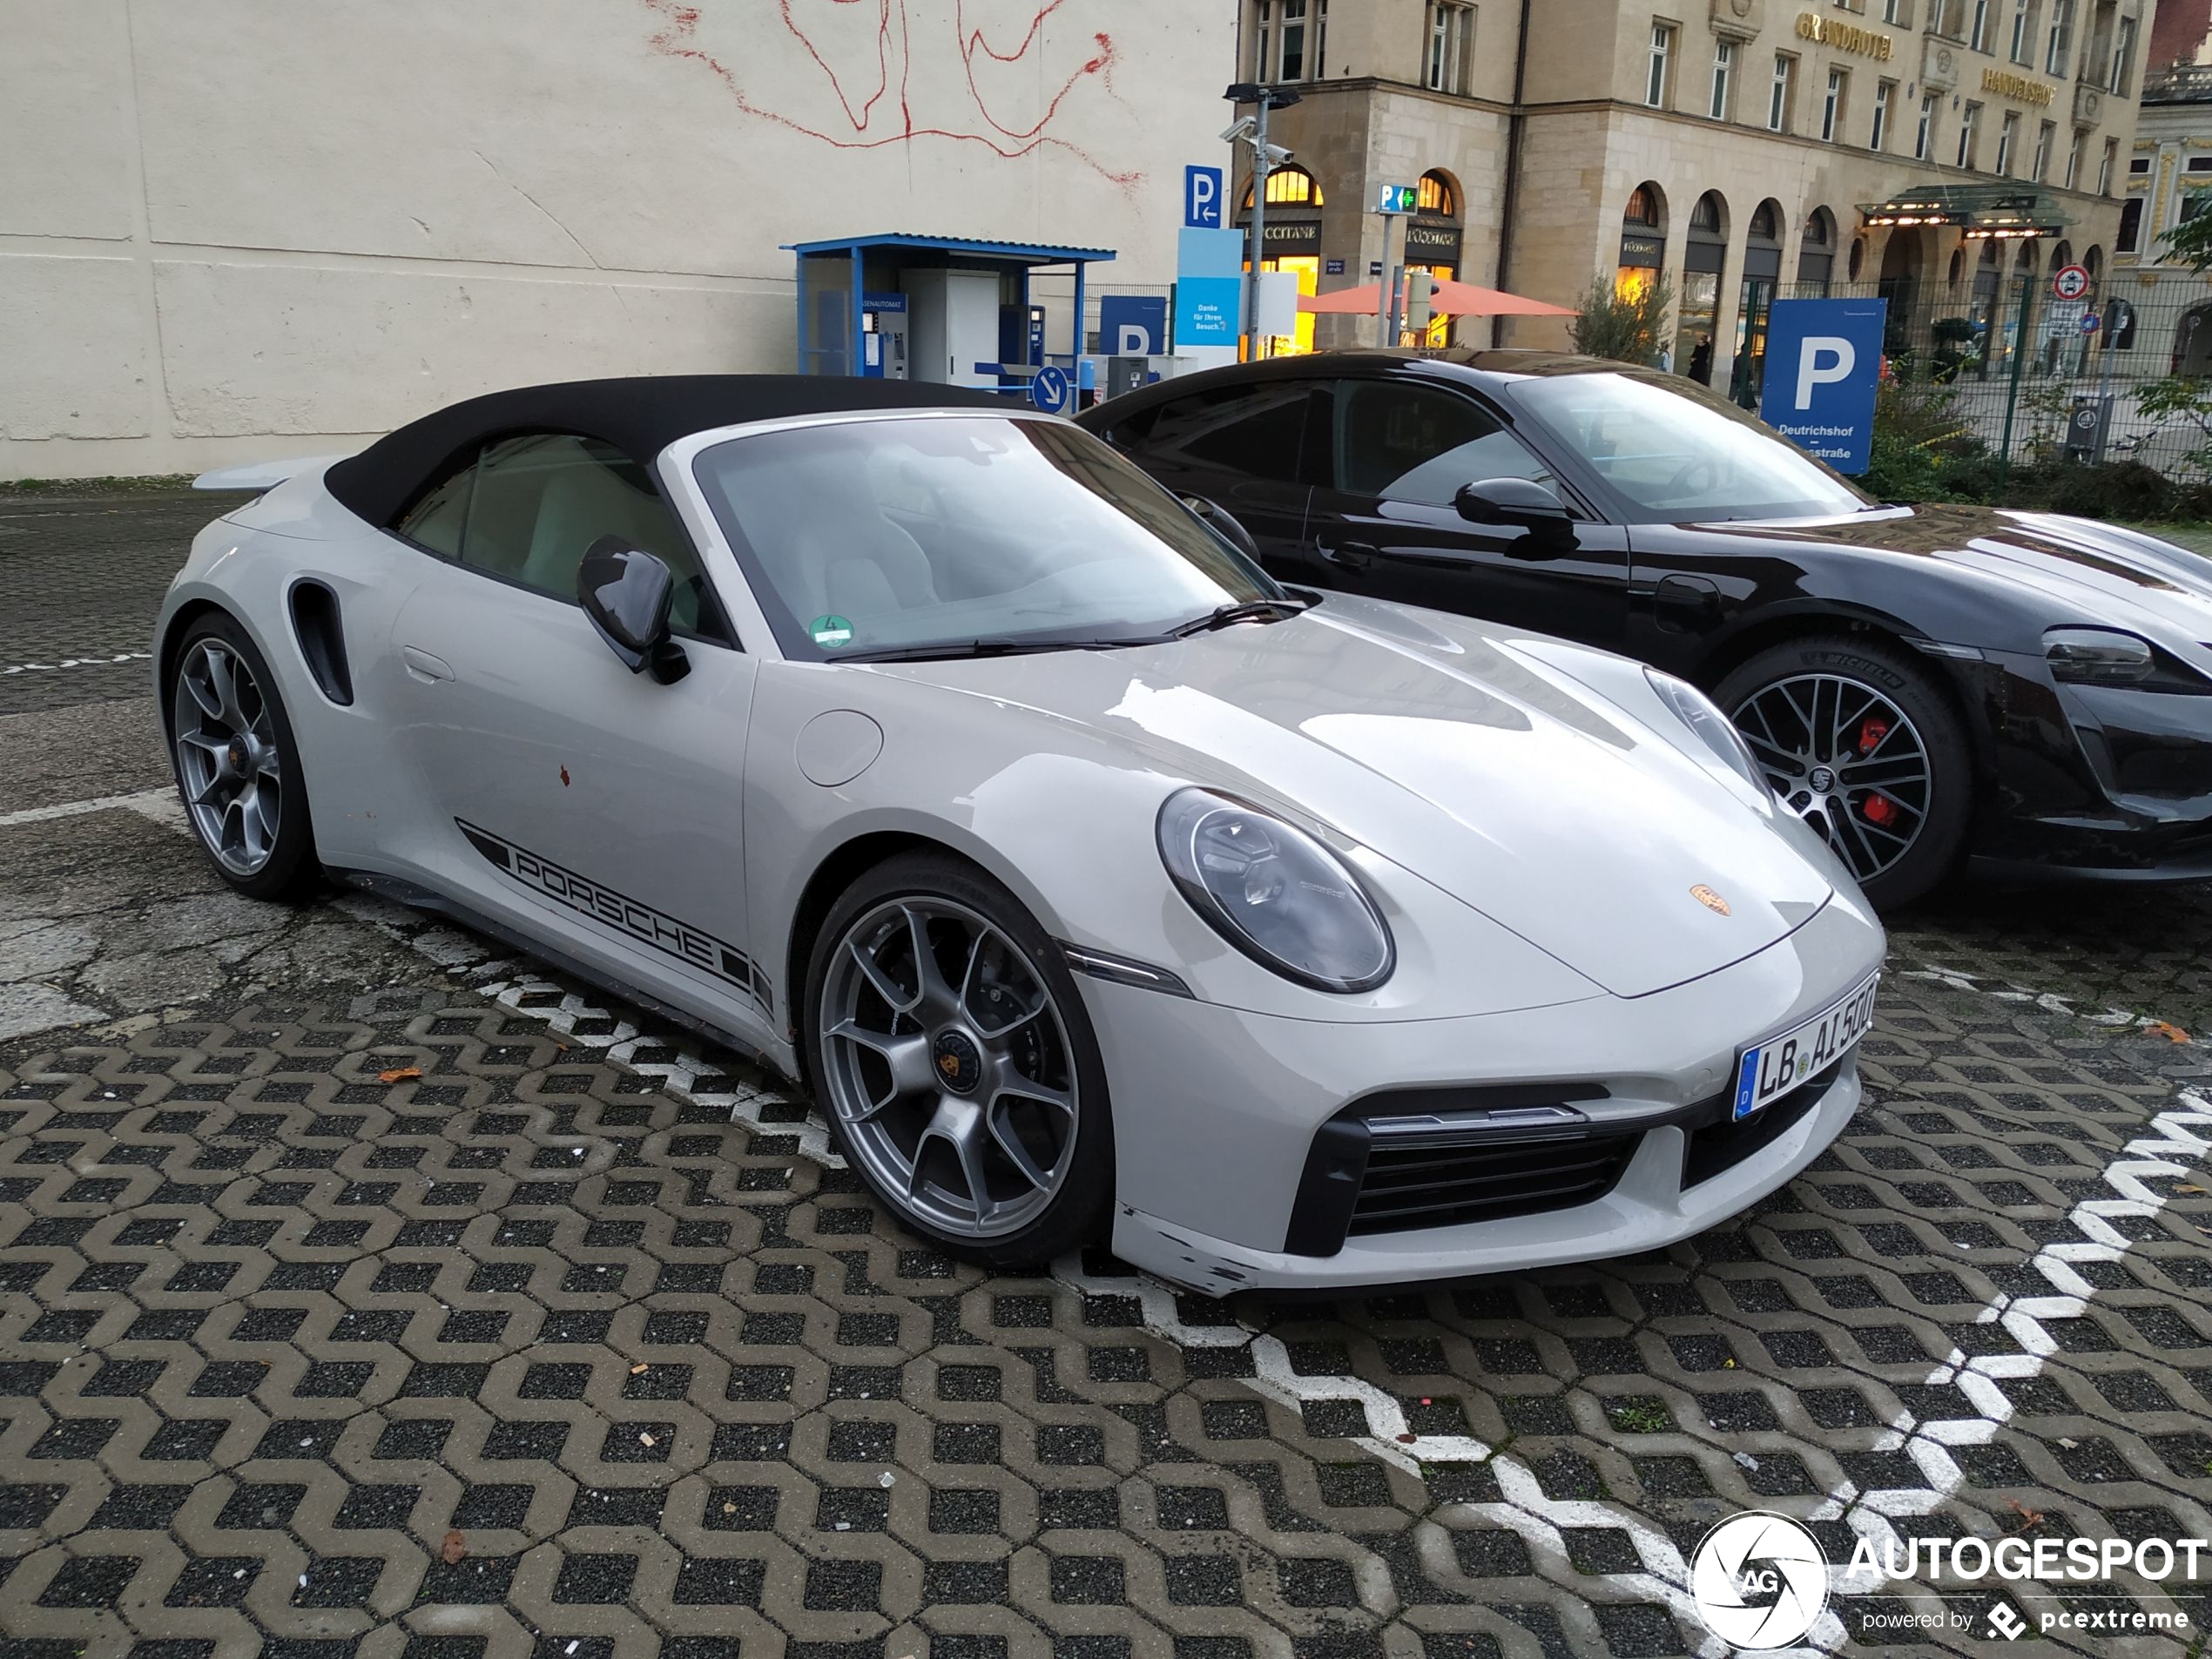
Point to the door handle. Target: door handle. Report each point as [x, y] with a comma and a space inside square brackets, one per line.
[1352, 555]
[424, 666]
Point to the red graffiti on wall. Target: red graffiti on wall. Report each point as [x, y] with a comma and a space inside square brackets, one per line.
[866, 52]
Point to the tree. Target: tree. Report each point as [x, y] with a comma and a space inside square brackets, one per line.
[1626, 324]
[2190, 242]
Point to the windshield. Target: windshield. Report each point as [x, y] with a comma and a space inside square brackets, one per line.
[896, 535]
[1673, 456]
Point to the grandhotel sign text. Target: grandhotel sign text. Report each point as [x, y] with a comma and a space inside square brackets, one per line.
[1846, 36]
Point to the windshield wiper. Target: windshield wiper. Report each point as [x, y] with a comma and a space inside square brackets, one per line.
[956, 648]
[1247, 611]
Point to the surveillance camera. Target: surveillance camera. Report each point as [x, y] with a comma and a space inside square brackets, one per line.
[1276, 155]
[1240, 130]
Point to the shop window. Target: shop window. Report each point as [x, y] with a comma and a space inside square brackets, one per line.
[1289, 186]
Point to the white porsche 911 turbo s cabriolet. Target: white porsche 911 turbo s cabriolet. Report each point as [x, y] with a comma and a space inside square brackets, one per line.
[1096, 885]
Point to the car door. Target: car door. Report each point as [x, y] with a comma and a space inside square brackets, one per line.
[1382, 520]
[1248, 447]
[592, 807]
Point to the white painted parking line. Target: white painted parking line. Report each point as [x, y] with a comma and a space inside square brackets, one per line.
[94, 661]
[159, 805]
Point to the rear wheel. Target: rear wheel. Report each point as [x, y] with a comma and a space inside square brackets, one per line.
[237, 766]
[1860, 741]
[953, 1057]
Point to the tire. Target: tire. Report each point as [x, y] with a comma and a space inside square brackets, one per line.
[237, 764]
[1876, 759]
[934, 1085]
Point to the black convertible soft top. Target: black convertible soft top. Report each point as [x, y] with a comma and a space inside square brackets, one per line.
[640, 416]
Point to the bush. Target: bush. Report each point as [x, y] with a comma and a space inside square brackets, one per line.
[2113, 490]
[1627, 327]
[1921, 443]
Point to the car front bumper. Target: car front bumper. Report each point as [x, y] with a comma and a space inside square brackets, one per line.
[1218, 1112]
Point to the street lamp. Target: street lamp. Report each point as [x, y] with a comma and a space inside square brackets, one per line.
[1252, 130]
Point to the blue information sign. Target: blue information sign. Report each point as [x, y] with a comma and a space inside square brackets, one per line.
[1202, 198]
[1133, 325]
[1048, 389]
[1823, 361]
[1209, 287]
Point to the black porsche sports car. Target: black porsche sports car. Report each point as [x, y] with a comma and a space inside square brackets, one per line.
[2026, 692]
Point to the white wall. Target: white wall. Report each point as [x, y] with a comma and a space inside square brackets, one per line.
[232, 229]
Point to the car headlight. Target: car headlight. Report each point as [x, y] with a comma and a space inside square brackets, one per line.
[1712, 728]
[2098, 657]
[1275, 893]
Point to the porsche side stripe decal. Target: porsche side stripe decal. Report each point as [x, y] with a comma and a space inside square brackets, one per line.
[639, 921]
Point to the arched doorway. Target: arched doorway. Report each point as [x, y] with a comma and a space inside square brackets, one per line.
[1900, 280]
[1293, 237]
[2192, 341]
[1433, 241]
[1755, 301]
[1704, 257]
[1643, 240]
[1816, 254]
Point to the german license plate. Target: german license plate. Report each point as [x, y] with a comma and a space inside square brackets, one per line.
[1770, 1069]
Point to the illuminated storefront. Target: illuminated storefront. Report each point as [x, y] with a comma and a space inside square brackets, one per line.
[1293, 236]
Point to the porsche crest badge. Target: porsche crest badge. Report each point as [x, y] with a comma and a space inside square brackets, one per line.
[1710, 899]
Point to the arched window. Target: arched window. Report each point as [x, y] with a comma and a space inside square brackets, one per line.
[2093, 262]
[1710, 214]
[2062, 256]
[1817, 247]
[1646, 209]
[1289, 186]
[1437, 195]
[1766, 222]
[1957, 265]
[2131, 226]
[1858, 257]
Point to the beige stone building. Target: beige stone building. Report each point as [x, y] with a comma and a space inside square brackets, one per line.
[1731, 143]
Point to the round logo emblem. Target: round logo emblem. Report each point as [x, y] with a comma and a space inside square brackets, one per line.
[830, 632]
[1760, 1581]
[1822, 779]
[960, 1063]
[1711, 900]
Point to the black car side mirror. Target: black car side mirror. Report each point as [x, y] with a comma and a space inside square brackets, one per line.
[1512, 501]
[627, 592]
[1219, 519]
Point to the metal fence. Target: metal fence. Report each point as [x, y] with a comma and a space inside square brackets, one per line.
[2037, 379]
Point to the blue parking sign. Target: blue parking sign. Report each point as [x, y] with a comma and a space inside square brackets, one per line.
[1202, 198]
[1823, 361]
[1048, 389]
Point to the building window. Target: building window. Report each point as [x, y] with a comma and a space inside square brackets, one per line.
[1451, 46]
[1980, 38]
[1967, 124]
[1832, 107]
[2073, 158]
[1435, 196]
[2058, 43]
[2123, 56]
[1923, 139]
[1290, 39]
[1885, 92]
[2131, 226]
[1723, 76]
[2194, 163]
[2023, 33]
[2042, 170]
[1288, 186]
[1781, 93]
[2008, 132]
[1662, 51]
[2107, 166]
[1889, 10]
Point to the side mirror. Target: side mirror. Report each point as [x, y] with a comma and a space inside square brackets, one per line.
[626, 593]
[1219, 519]
[1512, 501]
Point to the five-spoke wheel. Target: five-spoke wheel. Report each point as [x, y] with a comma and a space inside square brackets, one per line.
[952, 1057]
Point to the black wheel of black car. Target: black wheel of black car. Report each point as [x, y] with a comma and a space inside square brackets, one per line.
[237, 765]
[1859, 741]
[950, 1051]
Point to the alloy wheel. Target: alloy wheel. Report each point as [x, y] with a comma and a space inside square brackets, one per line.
[1844, 758]
[228, 756]
[947, 1064]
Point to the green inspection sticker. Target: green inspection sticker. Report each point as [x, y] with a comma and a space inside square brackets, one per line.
[830, 632]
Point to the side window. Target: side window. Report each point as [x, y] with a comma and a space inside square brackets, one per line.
[1258, 431]
[540, 500]
[436, 522]
[1421, 443]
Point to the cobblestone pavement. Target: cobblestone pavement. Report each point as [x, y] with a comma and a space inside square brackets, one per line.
[363, 1292]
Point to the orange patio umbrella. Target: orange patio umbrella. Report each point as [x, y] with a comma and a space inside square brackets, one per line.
[1453, 299]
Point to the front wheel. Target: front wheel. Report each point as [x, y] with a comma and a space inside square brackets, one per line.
[237, 764]
[1861, 742]
[951, 1055]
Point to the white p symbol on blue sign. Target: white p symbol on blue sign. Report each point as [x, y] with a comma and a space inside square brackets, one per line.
[1202, 198]
[1822, 360]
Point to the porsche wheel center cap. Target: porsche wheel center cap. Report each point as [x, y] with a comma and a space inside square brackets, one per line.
[1822, 779]
[236, 755]
[959, 1062]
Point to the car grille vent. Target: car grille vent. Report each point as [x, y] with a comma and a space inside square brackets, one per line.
[1414, 1185]
[1719, 1147]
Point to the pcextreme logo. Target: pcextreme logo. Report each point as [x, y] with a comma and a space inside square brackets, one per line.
[1760, 1579]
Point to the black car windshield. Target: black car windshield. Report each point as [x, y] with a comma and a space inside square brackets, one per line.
[906, 534]
[1676, 455]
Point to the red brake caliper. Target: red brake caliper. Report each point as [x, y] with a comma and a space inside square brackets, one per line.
[1880, 811]
[1871, 731]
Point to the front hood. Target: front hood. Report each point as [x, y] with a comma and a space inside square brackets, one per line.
[1459, 756]
[2124, 576]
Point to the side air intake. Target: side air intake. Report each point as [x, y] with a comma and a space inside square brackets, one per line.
[322, 641]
